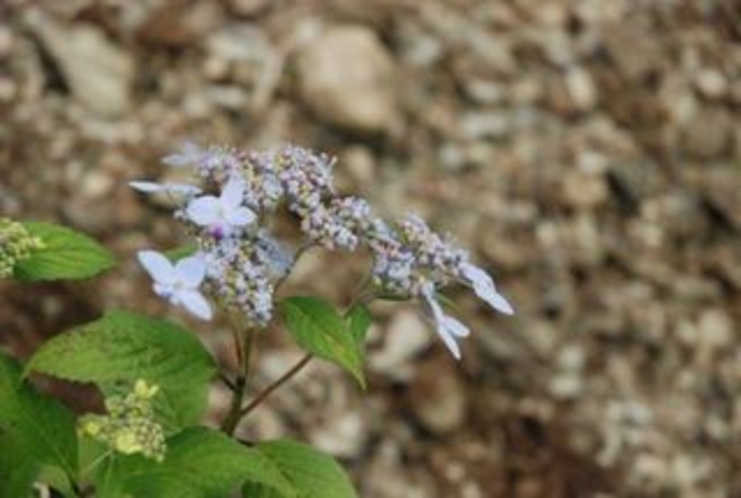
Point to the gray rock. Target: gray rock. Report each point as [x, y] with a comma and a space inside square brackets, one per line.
[99, 73]
[710, 134]
[346, 77]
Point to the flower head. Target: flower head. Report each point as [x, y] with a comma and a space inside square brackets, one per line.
[129, 427]
[16, 244]
[222, 215]
[178, 283]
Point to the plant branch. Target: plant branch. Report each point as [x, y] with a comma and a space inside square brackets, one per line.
[275, 385]
[233, 415]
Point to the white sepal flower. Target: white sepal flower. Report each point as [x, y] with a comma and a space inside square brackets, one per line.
[178, 283]
[190, 154]
[170, 188]
[223, 214]
[448, 328]
[484, 287]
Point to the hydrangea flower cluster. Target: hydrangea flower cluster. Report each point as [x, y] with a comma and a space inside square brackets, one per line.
[239, 261]
[129, 426]
[16, 244]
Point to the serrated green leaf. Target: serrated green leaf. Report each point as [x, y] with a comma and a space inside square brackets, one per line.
[312, 473]
[35, 431]
[124, 347]
[320, 330]
[66, 255]
[199, 462]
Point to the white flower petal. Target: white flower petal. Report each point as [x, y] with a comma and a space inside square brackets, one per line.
[189, 155]
[240, 217]
[195, 303]
[455, 327]
[173, 188]
[233, 194]
[158, 266]
[191, 271]
[498, 302]
[449, 341]
[146, 187]
[204, 211]
[484, 287]
[446, 326]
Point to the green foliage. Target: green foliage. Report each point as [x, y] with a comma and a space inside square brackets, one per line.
[311, 473]
[181, 252]
[122, 347]
[199, 463]
[358, 321]
[65, 254]
[35, 432]
[319, 329]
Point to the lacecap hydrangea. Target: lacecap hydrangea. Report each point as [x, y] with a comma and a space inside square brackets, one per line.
[227, 210]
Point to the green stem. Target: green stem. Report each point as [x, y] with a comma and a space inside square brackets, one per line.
[233, 416]
[275, 385]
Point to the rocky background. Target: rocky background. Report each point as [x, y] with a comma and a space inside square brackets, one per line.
[588, 151]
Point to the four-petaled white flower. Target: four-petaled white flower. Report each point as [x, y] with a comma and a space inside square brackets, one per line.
[224, 214]
[448, 328]
[484, 287]
[178, 283]
[170, 188]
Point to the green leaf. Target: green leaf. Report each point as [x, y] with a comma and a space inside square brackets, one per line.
[66, 255]
[312, 473]
[318, 328]
[35, 431]
[122, 347]
[181, 252]
[358, 321]
[199, 463]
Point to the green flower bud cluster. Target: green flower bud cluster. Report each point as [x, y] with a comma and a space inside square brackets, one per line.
[16, 244]
[129, 426]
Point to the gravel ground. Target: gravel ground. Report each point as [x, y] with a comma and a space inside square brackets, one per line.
[588, 151]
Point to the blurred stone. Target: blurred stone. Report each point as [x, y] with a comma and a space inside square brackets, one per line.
[711, 83]
[249, 8]
[636, 53]
[709, 134]
[581, 89]
[359, 164]
[407, 336]
[6, 42]
[239, 43]
[437, 396]
[98, 72]
[485, 124]
[344, 437]
[346, 76]
[486, 92]
[178, 24]
[584, 191]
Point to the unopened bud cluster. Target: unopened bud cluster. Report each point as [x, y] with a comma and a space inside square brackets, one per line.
[228, 214]
[16, 244]
[129, 427]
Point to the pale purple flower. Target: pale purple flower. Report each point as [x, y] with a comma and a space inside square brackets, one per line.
[448, 328]
[170, 188]
[224, 214]
[178, 283]
[190, 154]
[484, 287]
